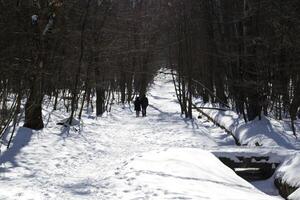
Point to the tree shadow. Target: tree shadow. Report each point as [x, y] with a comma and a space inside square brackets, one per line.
[158, 97]
[160, 111]
[191, 122]
[162, 116]
[48, 118]
[21, 139]
[163, 174]
[67, 131]
[177, 117]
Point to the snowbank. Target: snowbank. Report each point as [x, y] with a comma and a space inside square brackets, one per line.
[289, 171]
[266, 132]
[295, 195]
[92, 161]
[182, 173]
[265, 137]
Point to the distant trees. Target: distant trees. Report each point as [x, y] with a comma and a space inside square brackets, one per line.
[238, 53]
[242, 52]
[74, 52]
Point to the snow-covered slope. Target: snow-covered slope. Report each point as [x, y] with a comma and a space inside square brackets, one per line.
[266, 132]
[295, 195]
[289, 171]
[87, 161]
[263, 137]
[182, 173]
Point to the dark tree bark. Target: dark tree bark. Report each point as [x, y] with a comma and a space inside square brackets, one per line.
[33, 108]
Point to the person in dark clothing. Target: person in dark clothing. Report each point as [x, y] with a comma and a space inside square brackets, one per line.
[137, 106]
[144, 103]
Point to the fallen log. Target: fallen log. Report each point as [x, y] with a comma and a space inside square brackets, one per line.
[210, 108]
[219, 125]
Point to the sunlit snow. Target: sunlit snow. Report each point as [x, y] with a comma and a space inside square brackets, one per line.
[119, 156]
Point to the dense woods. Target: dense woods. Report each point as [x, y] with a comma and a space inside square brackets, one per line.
[73, 52]
[239, 54]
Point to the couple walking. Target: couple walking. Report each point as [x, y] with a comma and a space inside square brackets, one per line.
[141, 102]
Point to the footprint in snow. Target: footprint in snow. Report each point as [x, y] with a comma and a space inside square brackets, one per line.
[138, 188]
[131, 179]
[57, 165]
[122, 177]
[105, 185]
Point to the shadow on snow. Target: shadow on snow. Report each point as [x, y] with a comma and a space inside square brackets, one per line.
[22, 138]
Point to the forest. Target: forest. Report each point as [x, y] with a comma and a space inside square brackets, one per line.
[240, 55]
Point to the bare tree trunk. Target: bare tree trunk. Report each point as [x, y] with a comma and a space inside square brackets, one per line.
[33, 107]
[100, 101]
[74, 103]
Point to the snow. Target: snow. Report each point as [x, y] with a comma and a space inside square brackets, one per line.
[183, 173]
[295, 195]
[119, 156]
[66, 122]
[34, 19]
[267, 132]
[289, 171]
[266, 137]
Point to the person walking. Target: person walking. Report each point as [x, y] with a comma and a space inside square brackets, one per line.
[137, 106]
[144, 104]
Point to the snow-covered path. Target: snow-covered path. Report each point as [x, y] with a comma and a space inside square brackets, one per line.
[61, 164]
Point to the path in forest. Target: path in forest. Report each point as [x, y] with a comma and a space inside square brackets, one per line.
[61, 164]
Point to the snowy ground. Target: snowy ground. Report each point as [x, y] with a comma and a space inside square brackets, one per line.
[119, 156]
[266, 132]
[268, 136]
[183, 173]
